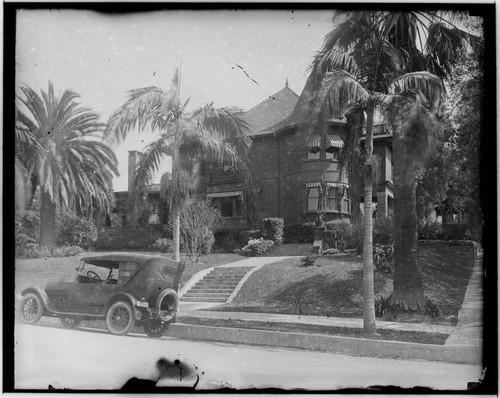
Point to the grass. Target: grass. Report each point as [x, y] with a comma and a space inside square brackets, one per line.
[41, 271]
[383, 334]
[334, 286]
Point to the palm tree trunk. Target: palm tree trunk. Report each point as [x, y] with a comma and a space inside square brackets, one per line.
[176, 231]
[47, 221]
[175, 197]
[408, 289]
[369, 326]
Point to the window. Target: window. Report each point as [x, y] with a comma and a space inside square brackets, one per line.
[332, 199]
[313, 154]
[313, 199]
[154, 212]
[332, 153]
[127, 270]
[229, 206]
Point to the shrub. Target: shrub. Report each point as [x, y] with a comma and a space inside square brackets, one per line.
[273, 227]
[138, 237]
[26, 232]
[337, 235]
[257, 246]
[229, 243]
[330, 252]
[429, 231]
[163, 245]
[66, 251]
[245, 235]
[37, 251]
[309, 260]
[383, 231]
[299, 233]
[383, 258]
[198, 221]
[354, 239]
[73, 230]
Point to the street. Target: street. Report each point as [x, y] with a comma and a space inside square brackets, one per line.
[94, 359]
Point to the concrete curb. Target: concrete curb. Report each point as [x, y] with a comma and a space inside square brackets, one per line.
[342, 345]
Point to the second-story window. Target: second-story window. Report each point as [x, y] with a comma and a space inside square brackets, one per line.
[313, 145]
[332, 153]
[313, 154]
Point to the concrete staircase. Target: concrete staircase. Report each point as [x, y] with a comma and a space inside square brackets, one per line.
[217, 286]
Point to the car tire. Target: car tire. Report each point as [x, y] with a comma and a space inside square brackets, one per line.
[167, 305]
[120, 318]
[155, 328]
[31, 308]
[70, 322]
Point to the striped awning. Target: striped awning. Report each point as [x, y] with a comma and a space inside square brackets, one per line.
[334, 140]
[314, 141]
[334, 185]
[313, 185]
[224, 194]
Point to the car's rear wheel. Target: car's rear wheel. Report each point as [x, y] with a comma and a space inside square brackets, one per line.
[120, 318]
[70, 322]
[31, 308]
[155, 328]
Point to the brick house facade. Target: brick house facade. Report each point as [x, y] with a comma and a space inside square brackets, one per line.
[295, 171]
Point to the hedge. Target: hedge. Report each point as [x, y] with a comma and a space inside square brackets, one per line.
[273, 227]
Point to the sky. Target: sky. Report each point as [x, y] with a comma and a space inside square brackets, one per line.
[101, 56]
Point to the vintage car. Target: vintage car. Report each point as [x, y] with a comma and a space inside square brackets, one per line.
[124, 289]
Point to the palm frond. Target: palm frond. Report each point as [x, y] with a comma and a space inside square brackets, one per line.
[427, 83]
[141, 108]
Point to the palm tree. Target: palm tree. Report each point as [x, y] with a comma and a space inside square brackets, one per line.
[383, 53]
[64, 159]
[185, 136]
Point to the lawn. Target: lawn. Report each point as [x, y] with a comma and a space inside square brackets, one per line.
[334, 286]
[41, 271]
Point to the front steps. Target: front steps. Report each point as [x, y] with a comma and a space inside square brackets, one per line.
[217, 286]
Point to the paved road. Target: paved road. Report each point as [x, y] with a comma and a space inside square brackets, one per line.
[91, 359]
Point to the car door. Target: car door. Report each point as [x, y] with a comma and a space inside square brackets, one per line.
[90, 298]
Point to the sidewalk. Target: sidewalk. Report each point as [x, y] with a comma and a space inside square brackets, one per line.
[469, 330]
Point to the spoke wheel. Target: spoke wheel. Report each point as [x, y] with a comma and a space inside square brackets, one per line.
[155, 328]
[31, 308]
[70, 322]
[120, 318]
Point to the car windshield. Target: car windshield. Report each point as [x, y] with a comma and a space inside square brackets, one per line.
[103, 273]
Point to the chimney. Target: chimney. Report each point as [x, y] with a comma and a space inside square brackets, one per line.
[134, 157]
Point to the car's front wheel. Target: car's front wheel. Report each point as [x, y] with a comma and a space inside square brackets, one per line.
[70, 322]
[120, 318]
[155, 328]
[31, 308]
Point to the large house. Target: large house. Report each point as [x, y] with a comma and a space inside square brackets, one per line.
[295, 169]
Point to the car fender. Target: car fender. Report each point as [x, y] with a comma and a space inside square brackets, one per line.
[47, 302]
[122, 296]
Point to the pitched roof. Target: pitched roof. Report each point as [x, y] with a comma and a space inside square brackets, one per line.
[271, 111]
[303, 108]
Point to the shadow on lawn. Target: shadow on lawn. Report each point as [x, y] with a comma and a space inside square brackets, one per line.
[324, 295]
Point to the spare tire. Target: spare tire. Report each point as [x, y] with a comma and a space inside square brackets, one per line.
[167, 305]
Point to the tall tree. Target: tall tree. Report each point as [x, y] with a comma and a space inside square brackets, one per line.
[388, 52]
[64, 158]
[185, 136]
